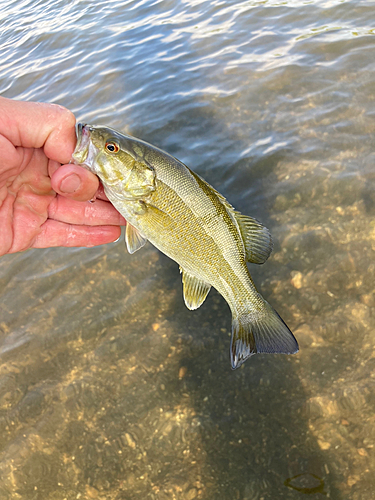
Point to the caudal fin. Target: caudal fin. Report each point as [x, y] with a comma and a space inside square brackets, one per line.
[260, 332]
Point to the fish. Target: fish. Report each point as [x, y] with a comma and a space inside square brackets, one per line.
[169, 205]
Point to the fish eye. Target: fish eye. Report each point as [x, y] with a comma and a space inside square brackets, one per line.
[112, 147]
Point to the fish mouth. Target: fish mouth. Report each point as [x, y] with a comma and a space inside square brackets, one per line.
[85, 151]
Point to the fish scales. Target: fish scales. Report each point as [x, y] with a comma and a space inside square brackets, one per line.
[200, 246]
[166, 203]
[200, 232]
[210, 227]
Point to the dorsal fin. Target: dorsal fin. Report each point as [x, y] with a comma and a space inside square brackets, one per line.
[195, 290]
[256, 238]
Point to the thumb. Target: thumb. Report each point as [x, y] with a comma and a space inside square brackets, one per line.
[73, 181]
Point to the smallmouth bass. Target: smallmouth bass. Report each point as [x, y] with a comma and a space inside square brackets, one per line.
[165, 202]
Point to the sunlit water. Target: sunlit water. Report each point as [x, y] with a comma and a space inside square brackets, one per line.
[109, 387]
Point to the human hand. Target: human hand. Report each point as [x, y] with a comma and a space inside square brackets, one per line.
[44, 204]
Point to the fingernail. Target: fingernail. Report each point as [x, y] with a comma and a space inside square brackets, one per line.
[70, 184]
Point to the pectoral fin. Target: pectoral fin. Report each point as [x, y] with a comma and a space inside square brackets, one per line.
[195, 290]
[256, 237]
[133, 238]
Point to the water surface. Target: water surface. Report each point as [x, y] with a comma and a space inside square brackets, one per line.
[109, 387]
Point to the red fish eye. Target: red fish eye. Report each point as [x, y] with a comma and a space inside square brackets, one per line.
[112, 147]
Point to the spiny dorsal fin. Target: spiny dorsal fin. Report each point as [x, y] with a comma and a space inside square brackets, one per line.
[133, 238]
[195, 290]
[256, 237]
[223, 200]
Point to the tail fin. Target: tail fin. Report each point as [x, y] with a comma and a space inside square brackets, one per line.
[260, 332]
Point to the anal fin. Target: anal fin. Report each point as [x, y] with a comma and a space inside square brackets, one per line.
[133, 238]
[195, 290]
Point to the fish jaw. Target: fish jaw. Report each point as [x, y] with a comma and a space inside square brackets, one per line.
[85, 151]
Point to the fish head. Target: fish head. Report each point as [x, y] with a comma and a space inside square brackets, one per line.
[117, 159]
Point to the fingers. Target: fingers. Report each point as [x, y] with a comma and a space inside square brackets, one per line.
[39, 125]
[77, 212]
[59, 234]
[75, 182]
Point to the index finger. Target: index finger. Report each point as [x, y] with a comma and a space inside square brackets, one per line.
[39, 125]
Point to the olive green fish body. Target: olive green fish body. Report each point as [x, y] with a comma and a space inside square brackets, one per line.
[185, 219]
[166, 203]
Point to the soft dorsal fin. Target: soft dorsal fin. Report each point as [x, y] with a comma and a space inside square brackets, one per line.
[195, 290]
[256, 237]
[133, 238]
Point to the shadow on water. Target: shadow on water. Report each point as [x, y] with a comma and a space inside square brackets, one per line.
[251, 423]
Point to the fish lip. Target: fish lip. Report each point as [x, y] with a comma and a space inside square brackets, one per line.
[84, 151]
[82, 147]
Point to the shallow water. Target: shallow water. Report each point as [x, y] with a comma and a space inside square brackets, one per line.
[109, 387]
